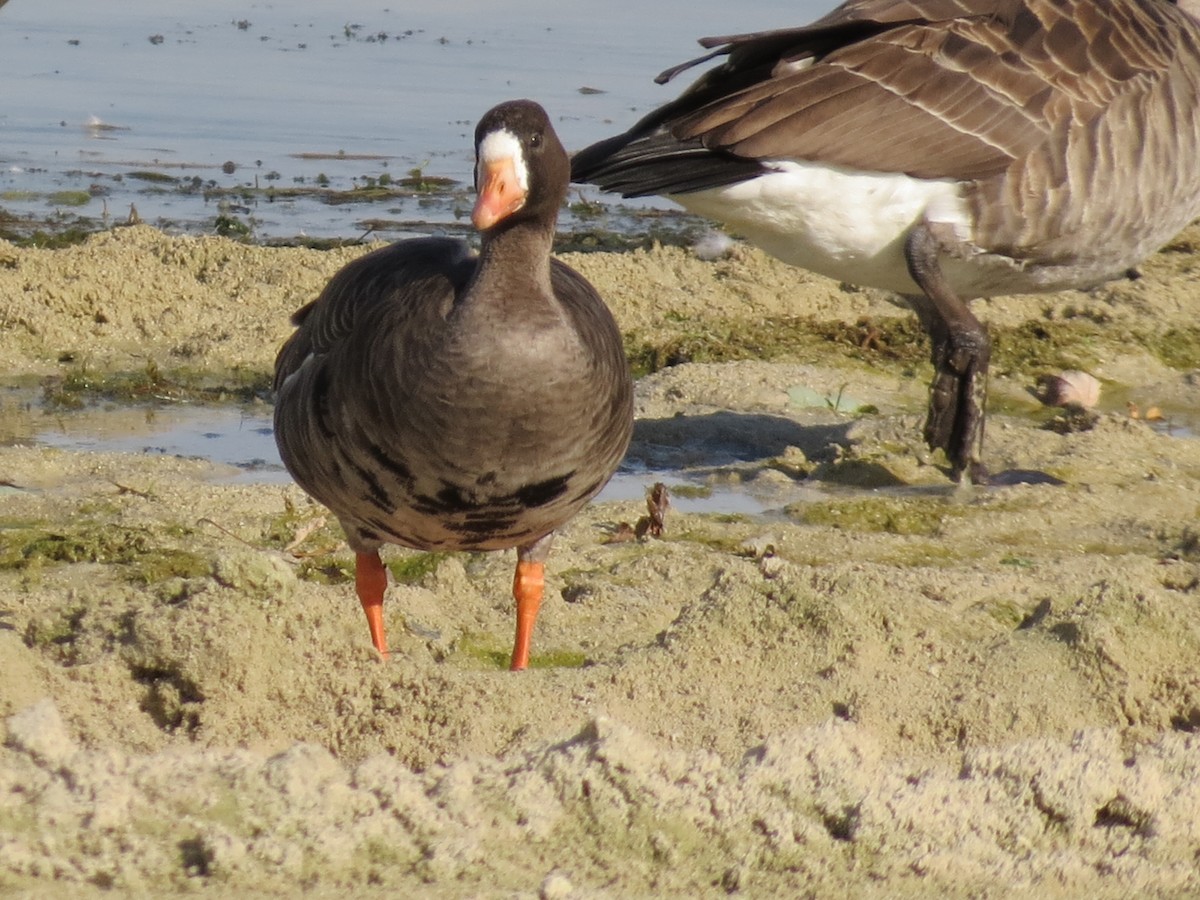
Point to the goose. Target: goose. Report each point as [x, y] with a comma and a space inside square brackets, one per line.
[440, 399]
[943, 149]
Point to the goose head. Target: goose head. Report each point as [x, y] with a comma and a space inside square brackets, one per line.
[521, 168]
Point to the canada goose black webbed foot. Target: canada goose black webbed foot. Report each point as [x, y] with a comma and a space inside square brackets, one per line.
[957, 400]
[960, 354]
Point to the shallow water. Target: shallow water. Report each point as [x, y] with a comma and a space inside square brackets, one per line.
[241, 436]
[288, 95]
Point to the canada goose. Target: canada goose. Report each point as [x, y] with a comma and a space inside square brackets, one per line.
[944, 149]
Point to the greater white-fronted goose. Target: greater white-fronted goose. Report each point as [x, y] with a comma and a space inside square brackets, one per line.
[944, 149]
[441, 400]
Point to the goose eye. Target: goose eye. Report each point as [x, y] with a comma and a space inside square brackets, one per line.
[535, 139]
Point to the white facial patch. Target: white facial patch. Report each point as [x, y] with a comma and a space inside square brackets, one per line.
[498, 145]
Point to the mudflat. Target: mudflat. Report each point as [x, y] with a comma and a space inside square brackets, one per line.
[889, 686]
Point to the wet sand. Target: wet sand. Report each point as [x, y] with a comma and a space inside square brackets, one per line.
[893, 687]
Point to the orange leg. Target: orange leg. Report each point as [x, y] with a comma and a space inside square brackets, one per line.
[370, 580]
[528, 584]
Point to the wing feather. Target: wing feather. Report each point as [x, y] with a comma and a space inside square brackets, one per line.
[404, 279]
[954, 89]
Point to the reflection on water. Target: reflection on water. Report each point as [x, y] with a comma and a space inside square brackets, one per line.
[236, 436]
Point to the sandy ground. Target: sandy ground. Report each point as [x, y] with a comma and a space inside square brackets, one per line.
[888, 687]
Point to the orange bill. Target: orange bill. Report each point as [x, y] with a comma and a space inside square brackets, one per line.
[500, 193]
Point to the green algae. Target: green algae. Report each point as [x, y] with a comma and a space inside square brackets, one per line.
[137, 553]
[725, 543]
[484, 651]
[49, 235]
[1031, 347]
[692, 491]
[70, 198]
[152, 177]
[681, 339]
[411, 568]
[232, 227]
[861, 473]
[890, 515]
[326, 568]
[557, 659]
[1178, 348]
[1008, 613]
[61, 629]
[323, 557]
[81, 384]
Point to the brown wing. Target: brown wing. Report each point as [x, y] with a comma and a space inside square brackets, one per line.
[402, 279]
[933, 88]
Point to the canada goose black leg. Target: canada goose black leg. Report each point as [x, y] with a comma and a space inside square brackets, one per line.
[960, 353]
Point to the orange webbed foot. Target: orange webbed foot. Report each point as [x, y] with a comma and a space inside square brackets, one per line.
[529, 582]
[370, 581]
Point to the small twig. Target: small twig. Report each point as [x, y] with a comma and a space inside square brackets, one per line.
[225, 531]
[303, 532]
[125, 489]
[622, 533]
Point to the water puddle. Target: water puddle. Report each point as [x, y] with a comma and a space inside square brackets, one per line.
[242, 437]
[237, 436]
[710, 464]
